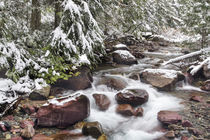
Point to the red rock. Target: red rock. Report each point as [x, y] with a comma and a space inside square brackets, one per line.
[41, 137]
[184, 138]
[139, 111]
[16, 138]
[196, 98]
[206, 86]
[66, 112]
[14, 130]
[102, 101]
[125, 110]
[25, 123]
[169, 117]
[133, 97]
[186, 123]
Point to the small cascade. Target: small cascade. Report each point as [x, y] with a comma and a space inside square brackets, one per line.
[118, 127]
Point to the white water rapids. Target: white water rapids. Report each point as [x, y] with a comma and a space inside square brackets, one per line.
[118, 127]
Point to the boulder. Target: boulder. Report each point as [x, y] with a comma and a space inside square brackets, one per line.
[40, 94]
[134, 76]
[162, 79]
[80, 82]
[28, 132]
[93, 129]
[133, 97]
[114, 82]
[123, 57]
[125, 110]
[206, 85]
[54, 91]
[63, 112]
[196, 98]
[169, 117]
[102, 101]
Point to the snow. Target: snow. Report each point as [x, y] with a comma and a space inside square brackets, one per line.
[2, 5]
[176, 36]
[125, 54]
[195, 69]
[120, 46]
[6, 85]
[47, 53]
[63, 100]
[83, 59]
[183, 57]
[164, 72]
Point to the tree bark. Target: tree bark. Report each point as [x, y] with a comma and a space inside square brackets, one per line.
[35, 15]
[58, 10]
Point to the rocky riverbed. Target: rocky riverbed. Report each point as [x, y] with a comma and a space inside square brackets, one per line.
[132, 96]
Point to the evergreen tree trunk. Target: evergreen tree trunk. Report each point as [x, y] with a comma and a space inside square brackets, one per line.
[35, 15]
[58, 10]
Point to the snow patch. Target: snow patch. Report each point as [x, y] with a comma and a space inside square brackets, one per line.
[61, 101]
[195, 69]
[120, 46]
[164, 72]
[83, 59]
[124, 54]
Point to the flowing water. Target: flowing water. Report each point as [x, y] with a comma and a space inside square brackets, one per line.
[118, 127]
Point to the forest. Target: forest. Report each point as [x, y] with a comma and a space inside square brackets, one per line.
[104, 69]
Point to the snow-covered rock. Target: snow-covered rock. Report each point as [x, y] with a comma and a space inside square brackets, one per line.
[120, 47]
[123, 57]
[162, 79]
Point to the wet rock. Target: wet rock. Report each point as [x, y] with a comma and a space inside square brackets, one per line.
[134, 76]
[123, 57]
[170, 134]
[114, 82]
[93, 129]
[16, 138]
[196, 98]
[139, 111]
[67, 135]
[102, 101]
[125, 110]
[28, 132]
[133, 97]
[80, 82]
[161, 78]
[186, 123]
[169, 117]
[64, 111]
[206, 85]
[137, 53]
[40, 94]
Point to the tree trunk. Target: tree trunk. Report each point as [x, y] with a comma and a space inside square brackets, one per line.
[58, 10]
[35, 15]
